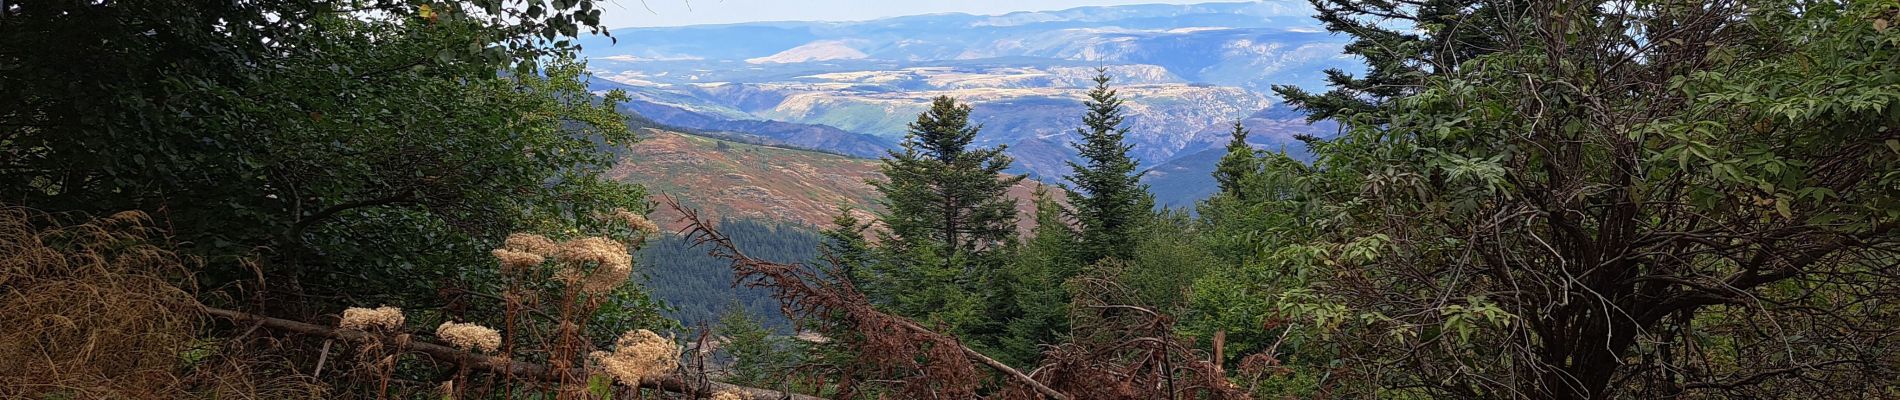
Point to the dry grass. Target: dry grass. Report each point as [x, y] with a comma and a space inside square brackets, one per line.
[96, 311]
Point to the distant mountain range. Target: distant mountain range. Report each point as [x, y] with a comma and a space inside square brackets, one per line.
[1188, 72]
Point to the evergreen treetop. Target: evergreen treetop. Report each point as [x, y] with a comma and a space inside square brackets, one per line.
[947, 213]
[1108, 196]
[1238, 165]
[1398, 59]
[939, 190]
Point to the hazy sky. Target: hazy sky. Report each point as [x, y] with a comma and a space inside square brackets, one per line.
[635, 13]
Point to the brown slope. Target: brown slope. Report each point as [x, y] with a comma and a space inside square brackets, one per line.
[750, 181]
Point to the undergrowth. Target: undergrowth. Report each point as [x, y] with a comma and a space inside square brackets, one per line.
[100, 310]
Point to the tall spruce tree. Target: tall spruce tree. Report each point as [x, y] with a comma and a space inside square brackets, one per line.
[1109, 197]
[1239, 165]
[947, 210]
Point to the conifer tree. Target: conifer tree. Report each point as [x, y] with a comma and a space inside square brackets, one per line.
[1237, 166]
[947, 210]
[845, 249]
[1034, 278]
[1109, 197]
[1397, 59]
[942, 192]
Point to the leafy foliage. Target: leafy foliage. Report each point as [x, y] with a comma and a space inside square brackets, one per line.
[1238, 166]
[317, 155]
[358, 154]
[1607, 200]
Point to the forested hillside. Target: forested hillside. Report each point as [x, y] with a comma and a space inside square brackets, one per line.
[732, 179]
[698, 288]
[1571, 200]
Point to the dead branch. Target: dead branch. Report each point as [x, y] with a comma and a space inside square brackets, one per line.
[891, 341]
[498, 365]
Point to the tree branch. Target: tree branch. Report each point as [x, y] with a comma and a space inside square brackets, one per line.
[817, 294]
[295, 233]
[676, 383]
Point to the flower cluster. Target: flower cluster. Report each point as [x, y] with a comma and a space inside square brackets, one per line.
[638, 355]
[514, 260]
[530, 243]
[385, 317]
[612, 264]
[639, 223]
[471, 337]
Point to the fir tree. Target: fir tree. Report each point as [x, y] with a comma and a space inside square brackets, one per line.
[947, 210]
[1109, 197]
[845, 249]
[1035, 278]
[1397, 59]
[1238, 166]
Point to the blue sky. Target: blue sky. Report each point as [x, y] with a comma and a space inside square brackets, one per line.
[638, 13]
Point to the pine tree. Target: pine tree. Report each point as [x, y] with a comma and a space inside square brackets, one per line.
[947, 211]
[1238, 166]
[1109, 197]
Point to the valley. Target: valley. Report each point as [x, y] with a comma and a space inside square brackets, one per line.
[1186, 73]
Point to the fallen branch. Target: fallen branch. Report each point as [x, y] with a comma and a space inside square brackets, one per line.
[999, 366]
[671, 383]
[804, 294]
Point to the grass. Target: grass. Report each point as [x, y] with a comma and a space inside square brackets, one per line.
[96, 310]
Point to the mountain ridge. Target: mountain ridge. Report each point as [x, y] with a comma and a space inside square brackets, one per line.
[725, 179]
[1186, 72]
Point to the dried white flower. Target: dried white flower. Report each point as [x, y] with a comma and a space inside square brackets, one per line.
[612, 265]
[513, 260]
[637, 355]
[385, 317]
[530, 243]
[639, 223]
[471, 337]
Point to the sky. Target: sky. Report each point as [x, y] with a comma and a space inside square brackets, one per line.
[648, 13]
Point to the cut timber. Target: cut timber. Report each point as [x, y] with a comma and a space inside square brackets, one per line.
[671, 383]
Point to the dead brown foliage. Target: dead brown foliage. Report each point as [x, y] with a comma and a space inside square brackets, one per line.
[915, 362]
[1120, 350]
[97, 310]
